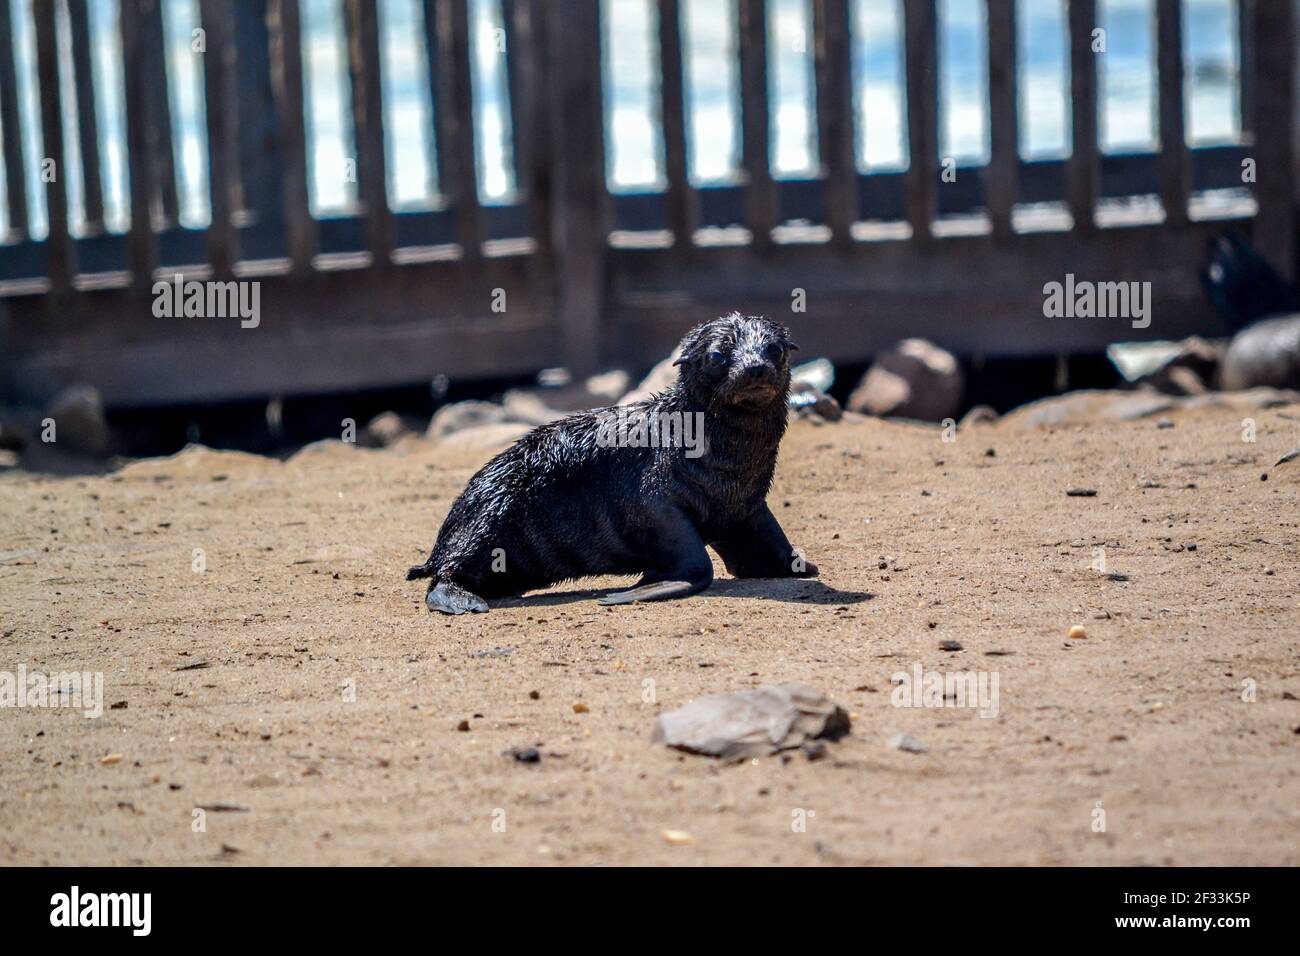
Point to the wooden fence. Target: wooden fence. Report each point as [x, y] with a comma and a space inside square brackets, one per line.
[587, 278]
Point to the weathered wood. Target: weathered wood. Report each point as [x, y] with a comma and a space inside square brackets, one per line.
[834, 68]
[60, 250]
[1082, 170]
[153, 49]
[756, 153]
[447, 29]
[142, 244]
[92, 189]
[287, 78]
[529, 118]
[580, 219]
[11, 131]
[259, 182]
[1175, 164]
[1001, 177]
[368, 124]
[1275, 149]
[920, 38]
[681, 203]
[1247, 66]
[219, 65]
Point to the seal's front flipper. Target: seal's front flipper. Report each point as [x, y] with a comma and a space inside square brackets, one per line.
[659, 591]
[760, 549]
[677, 563]
[453, 599]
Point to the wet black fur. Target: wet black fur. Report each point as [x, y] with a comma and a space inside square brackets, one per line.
[560, 506]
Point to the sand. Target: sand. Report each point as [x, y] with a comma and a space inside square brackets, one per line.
[297, 681]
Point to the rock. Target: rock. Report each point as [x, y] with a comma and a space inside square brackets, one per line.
[483, 440]
[661, 378]
[1089, 406]
[525, 754]
[460, 416]
[806, 401]
[979, 415]
[529, 407]
[1266, 353]
[819, 373]
[599, 391]
[384, 430]
[677, 838]
[907, 743]
[915, 379]
[752, 722]
[1081, 492]
[79, 422]
[1189, 367]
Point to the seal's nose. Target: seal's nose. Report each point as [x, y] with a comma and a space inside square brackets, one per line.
[755, 370]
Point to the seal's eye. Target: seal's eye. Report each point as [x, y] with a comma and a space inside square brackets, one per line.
[774, 352]
[715, 360]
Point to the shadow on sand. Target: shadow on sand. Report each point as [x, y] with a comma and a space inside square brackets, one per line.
[790, 590]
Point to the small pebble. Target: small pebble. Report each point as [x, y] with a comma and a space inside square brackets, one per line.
[109, 759]
[1077, 633]
[581, 708]
[906, 743]
[949, 646]
[1081, 492]
[678, 838]
[526, 754]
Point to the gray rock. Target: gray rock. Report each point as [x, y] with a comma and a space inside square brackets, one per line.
[1089, 406]
[915, 379]
[752, 723]
[79, 422]
[385, 429]
[808, 401]
[907, 743]
[1266, 353]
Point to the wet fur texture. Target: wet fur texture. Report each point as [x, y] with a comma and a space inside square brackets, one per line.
[563, 504]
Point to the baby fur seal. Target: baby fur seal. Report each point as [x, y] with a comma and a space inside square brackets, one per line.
[612, 491]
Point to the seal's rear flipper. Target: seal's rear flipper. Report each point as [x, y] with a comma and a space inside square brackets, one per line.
[453, 599]
[659, 591]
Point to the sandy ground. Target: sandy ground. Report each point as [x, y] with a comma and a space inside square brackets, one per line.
[299, 680]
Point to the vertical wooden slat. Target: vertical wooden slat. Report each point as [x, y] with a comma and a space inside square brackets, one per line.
[680, 199]
[1002, 178]
[922, 69]
[11, 130]
[1246, 66]
[60, 250]
[1275, 150]
[368, 122]
[760, 191]
[526, 65]
[258, 175]
[153, 49]
[142, 244]
[287, 78]
[1175, 167]
[219, 67]
[580, 205]
[835, 117]
[92, 190]
[453, 114]
[1082, 170]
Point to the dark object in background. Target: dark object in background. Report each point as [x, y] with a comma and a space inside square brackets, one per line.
[1260, 307]
[915, 379]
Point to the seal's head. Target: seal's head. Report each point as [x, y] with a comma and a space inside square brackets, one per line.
[740, 361]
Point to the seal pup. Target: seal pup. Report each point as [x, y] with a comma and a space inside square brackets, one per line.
[634, 489]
